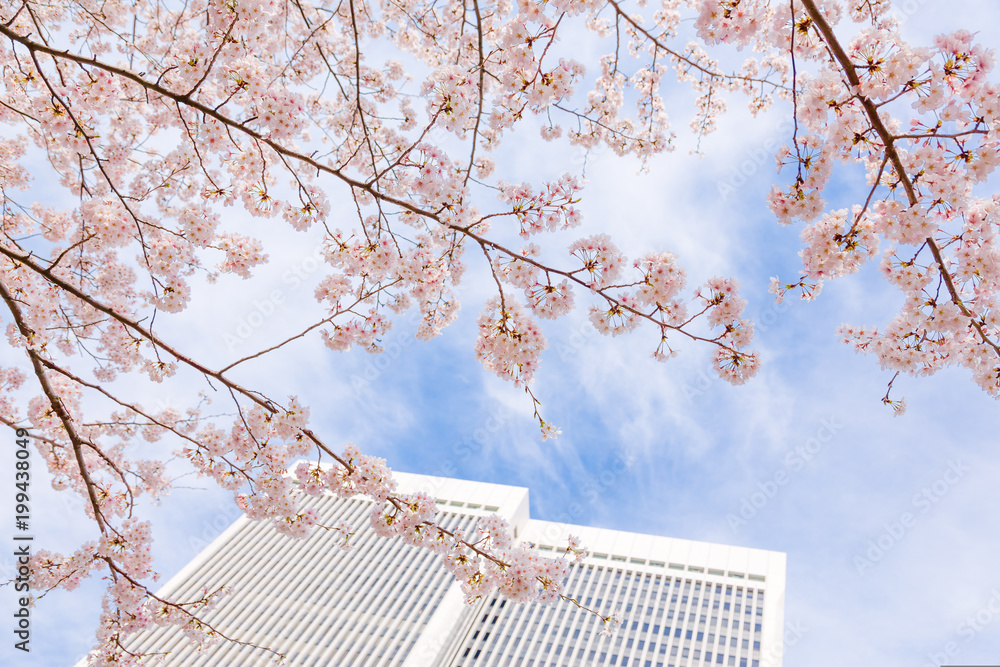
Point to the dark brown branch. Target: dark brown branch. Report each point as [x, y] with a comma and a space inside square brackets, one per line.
[888, 141]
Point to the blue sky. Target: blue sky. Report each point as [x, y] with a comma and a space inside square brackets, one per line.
[669, 448]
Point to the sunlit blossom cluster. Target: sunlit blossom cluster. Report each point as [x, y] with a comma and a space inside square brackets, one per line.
[510, 341]
[550, 209]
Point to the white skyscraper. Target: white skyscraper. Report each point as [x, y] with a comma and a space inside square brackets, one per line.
[383, 602]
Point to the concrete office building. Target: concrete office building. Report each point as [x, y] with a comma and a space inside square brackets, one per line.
[684, 603]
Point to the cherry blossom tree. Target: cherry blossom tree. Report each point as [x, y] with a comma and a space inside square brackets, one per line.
[155, 117]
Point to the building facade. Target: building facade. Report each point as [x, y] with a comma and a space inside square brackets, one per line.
[383, 602]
